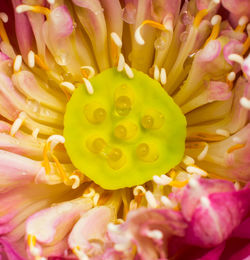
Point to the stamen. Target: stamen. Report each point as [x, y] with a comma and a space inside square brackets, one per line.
[35, 133]
[215, 21]
[51, 2]
[187, 160]
[17, 63]
[45, 162]
[163, 76]
[4, 17]
[88, 86]
[96, 199]
[167, 202]
[31, 59]
[245, 102]
[17, 123]
[121, 63]
[236, 57]
[237, 185]
[156, 72]
[235, 147]
[230, 78]
[236, 139]
[80, 254]
[3, 33]
[246, 44]
[128, 71]
[117, 40]
[88, 72]
[69, 86]
[139, 189]
[242, 24]
[154, 24]
[33, 8]
[198, 18]
[41, 63]
[151, 199]
[162, 180]
[178, 184]
[203, 154]
[54, 140]
[76, 182]
[222, 132]
[196, 169]
[59, 168]
[90, 194]
[31, 240]
[154, 234]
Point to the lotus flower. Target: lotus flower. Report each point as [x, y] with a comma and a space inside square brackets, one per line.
[124, 129]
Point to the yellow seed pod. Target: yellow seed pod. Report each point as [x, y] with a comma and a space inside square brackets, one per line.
[147, 152]
[124, 98]
[95, 113]
[152, 119]
[125, 130]
[116, 159]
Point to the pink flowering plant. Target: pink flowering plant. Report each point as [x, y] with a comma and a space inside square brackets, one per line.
[124, 129]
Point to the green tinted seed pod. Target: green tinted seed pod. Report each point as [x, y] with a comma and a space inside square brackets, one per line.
[141, 133]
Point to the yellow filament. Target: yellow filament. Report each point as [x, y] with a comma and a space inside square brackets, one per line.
[240, 28]
[41, 63]
[45, 162]
[235, 147]
[155, 25]
[178, 184]
[195, 145]
[206, 137]
[198, 18]
[31, 240]
[214, 34]
[59, 168]
[38, 9]
[246, 45]
[115, 51]
[3, 33]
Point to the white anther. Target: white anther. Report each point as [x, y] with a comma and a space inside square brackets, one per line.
[205, 201]
[182, 176]
[31, 59]
[167, 202]
[113, 228]
[117, 40]
[22, 8]
[151, 199]
[69, 86]
[162, 180]
[88, 86]
[187, 160]
[96, 199]
[17, 123]
[193, 169]
[4, 17]
[133, 205]
[91, 71]
[121, 63]
[231, 76]
[122, 247]
[243, 20]
[128, 71]
[163, 76]
[236, 139]
[216, 1]
[215, 19]
[35, 251]
[236, 57]
[90, 194]
[193, 183]
[18, 63]
[154, 234]
[156, 72]
[237, 185]
[222, 132]
[139, 189]
[203, 153]
[245, 102]
[76, 182]
[80, 254]
[54, 140]
[35, 133]
[51, 2]
[138, 36]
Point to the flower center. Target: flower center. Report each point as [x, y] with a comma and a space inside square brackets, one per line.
[126, 132]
